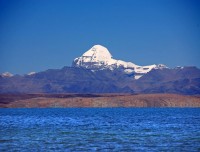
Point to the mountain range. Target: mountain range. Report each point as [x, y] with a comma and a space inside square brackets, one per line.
[96, 71]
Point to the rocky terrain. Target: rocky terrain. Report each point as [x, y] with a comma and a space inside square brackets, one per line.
[97, 72]
[97, 100]
[79, 80]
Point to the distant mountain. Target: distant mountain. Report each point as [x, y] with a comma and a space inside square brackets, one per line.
[67, 79]
[97, 72]
[99, 58]
[31, 73]
[184, 80]
[6, 74]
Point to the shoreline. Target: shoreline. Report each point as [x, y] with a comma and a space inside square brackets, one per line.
[97, 100]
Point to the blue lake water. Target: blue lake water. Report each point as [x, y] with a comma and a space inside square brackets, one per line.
[96, 129]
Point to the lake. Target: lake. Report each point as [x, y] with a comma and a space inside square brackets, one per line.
[100, 129]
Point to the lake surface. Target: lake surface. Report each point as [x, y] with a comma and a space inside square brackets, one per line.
[100, 129]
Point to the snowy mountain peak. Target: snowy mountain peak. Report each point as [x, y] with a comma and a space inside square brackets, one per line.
[98, 57]
[31, 73]
[97, 53]
[6, 74]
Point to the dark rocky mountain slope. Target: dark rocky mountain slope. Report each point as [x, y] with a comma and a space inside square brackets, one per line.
[80, 80]
[66, 80]
[179, 80]
[96, 71]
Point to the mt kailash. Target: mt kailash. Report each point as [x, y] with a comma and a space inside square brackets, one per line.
[99, 58]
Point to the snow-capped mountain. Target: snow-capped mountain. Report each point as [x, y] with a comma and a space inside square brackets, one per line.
[98, 58]
[97, 72]
[6, 74]
[31, 73]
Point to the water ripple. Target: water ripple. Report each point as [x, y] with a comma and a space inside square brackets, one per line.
[107, 129]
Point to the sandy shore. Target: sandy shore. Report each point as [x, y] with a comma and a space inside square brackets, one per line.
[97, 100]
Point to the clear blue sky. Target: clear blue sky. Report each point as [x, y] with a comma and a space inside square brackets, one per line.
[36, 35]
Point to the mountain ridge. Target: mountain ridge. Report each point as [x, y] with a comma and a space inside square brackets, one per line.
[108, 77]
[98, 57]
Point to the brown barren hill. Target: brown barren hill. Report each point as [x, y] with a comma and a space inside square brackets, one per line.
[97, 100]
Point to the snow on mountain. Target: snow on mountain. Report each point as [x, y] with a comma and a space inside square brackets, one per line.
[98, 58]
[6, 74]
[31, 73]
